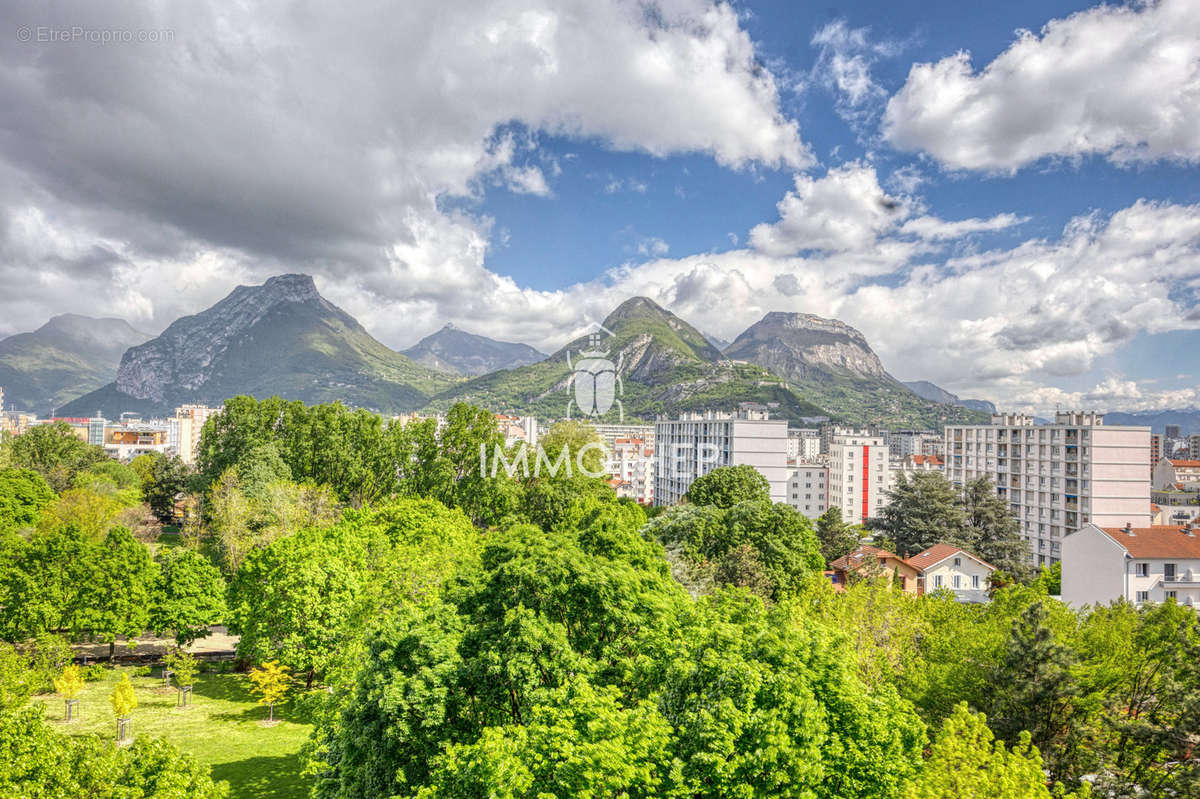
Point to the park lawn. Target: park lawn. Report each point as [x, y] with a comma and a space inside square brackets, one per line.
[223, 727]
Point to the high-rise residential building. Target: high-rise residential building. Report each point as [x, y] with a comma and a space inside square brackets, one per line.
[609, 433]
[630, 464]
[1194, 447]
[808, 487]
[517, 429]
[804, 443]
[903, 443]
[1172, 432]
[859, 477]
[1057, 477]
[188, 445]
[1156, 450]
[695, 444]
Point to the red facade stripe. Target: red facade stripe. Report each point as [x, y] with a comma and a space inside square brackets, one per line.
[866, 460]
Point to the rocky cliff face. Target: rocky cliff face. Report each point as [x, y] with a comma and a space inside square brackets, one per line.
[182, 358]
[795, 345]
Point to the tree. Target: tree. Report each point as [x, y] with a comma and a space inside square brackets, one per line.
[1049, 579]
[835, 537]
[91, 513]
[23, 494]
[726, 486]
[1034, 690]
[270, 683]
[117, 594]
[53, 451]
[44, 589]
[123, 701]
[17, 678]
[574, 437]
[922, 510]
[965, 763]
[184, 666]
[68, 685]
[188, 596]
[166, 478]
[993, 532]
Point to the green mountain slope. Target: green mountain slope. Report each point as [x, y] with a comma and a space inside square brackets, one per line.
[279, 338]
[666, 365]
[68, 356]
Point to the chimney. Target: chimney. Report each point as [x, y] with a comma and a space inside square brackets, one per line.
[1128, 529]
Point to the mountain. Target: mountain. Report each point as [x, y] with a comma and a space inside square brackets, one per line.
[281, 338]
[716, 341]
[934, 393]
[831, 364]
[68, 356]
[459, 352]
[666, 366]
[1188, 419]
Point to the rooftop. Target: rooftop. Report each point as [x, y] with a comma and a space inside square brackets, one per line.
[938, 553]
[1159, 541]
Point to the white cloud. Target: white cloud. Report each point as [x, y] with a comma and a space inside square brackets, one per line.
[932, 228]
[1117, 81]
[844, 210]
[328, 138]
[845, 56]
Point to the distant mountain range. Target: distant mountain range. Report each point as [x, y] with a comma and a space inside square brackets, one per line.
[283, 338]
[1188, 420]
[933, 393]
[459, 352]
[68, 356]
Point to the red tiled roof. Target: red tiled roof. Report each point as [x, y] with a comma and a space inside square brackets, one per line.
[1186, 464]
[855, 558]
[938, 553]
[933, 460]
[1159, 541]
[1154, 508]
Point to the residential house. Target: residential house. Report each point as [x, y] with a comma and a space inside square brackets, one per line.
[943, 566]
[1139, 564]
[868, 560]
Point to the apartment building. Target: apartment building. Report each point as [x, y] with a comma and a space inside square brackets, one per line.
[630, 464]
[695, 444]
[188, 429]
[859, 476]
[126, 441]
[1056, 477]
[808, 487]
[517, 429]
[902, 443]
[1139, 564]
[804, 444]
[609, 433]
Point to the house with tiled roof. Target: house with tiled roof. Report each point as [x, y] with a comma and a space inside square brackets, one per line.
[1140, 564]
[868, 560]
[952, 568]
[1177, 473]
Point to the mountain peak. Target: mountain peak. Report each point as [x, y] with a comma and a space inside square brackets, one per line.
[637, 308]
[794, 344]
[457, 351]
[292, 287]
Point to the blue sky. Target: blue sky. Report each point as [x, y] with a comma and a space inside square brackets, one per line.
[1003, 197]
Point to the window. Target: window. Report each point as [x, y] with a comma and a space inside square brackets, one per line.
[1141, 569]
[957, 581]
[974, 580]
[937, 581]
[958, 561]
[1168, 571]
[1143, 596]
[1171, 595]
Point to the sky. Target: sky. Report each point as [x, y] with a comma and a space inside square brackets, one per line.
[1003, 197]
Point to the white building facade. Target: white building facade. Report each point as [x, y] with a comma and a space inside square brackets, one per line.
[694, 444]
[1139, 564]
[808, 487]
[859, 476]
[1059, 477]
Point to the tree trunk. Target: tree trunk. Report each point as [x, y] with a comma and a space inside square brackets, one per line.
[311, 674]
[112, 650]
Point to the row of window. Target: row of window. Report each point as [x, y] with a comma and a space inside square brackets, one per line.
[956, 581]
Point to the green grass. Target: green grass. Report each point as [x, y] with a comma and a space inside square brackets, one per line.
[223, 728]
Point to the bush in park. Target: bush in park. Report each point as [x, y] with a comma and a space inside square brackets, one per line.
[270, 683]
[69, 685]
[94, 672]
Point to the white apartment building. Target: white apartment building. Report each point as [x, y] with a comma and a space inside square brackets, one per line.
[903, 443]
[808, 487]
[695, 444]
[804, 444]
[859, 476]
[631, 466]
[518, 428]
[189, 431]
[1140, 564]
[1057, 477]
[609, 433]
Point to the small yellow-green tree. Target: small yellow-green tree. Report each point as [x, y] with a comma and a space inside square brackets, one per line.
[183, 666]
[68, 685]
[270, 682]
[123, 699]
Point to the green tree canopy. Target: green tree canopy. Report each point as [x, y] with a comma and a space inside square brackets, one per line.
[23, 494]
[726, 486]
[835, 537]
[53, 451]
[188, 596]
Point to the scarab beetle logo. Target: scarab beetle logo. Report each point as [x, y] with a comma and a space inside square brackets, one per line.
[595, 382]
